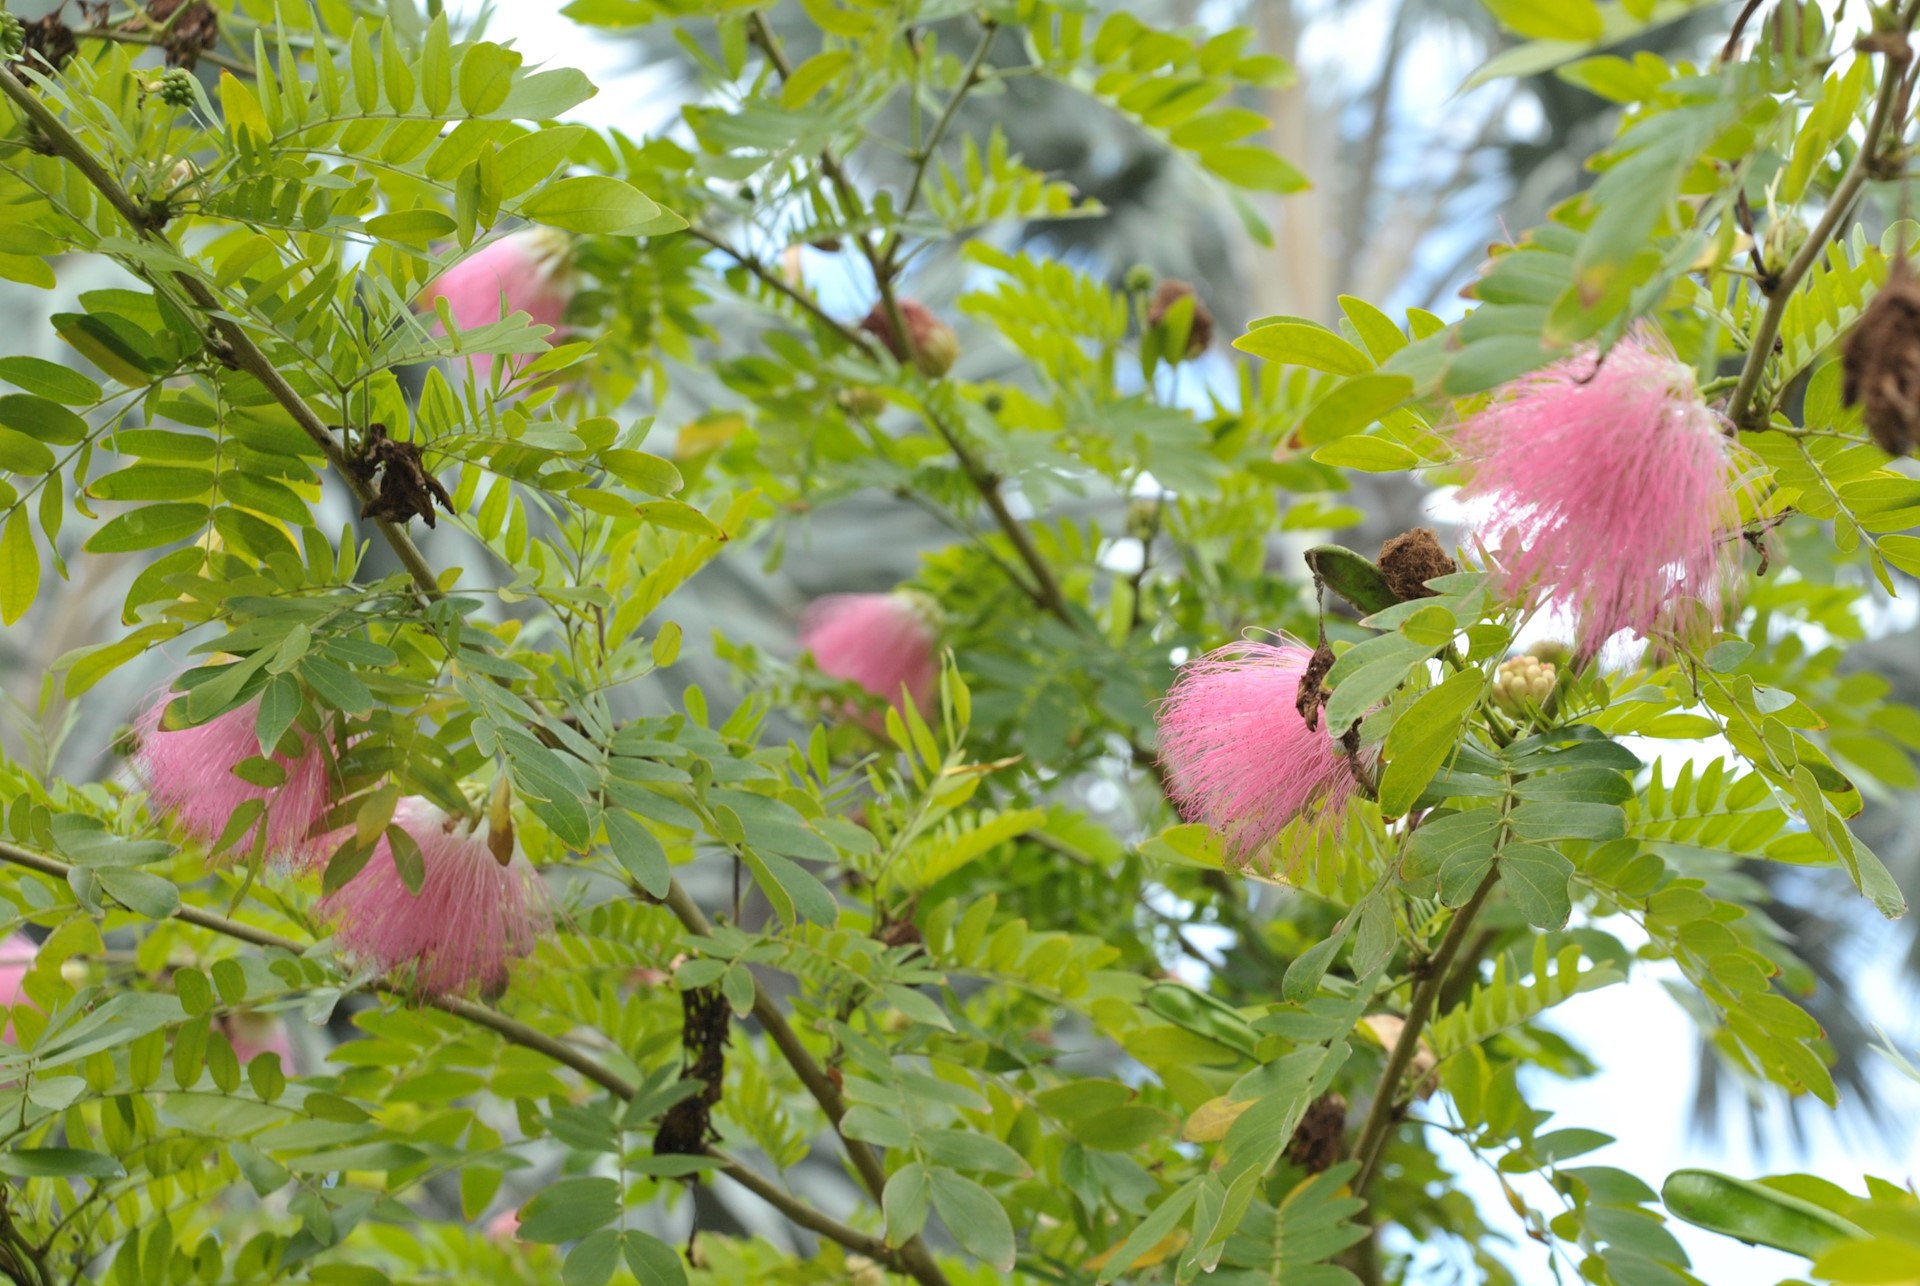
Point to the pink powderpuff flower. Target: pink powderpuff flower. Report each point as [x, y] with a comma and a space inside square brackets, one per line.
[882, 642]
[252, 1035]
[504, 1227]
[1240, 757]
[17, 953]
[472, 915]
[189, 773]
[527, 268]
[1609, 489]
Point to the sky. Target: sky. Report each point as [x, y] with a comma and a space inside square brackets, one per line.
[1638, 1032]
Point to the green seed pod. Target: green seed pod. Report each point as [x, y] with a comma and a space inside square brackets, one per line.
[1352, 577]
[1754, 1213]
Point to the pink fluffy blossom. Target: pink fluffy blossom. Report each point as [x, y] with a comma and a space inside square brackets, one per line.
[1609, 491]
[1240, 757]
[882, 642]
[17, 954]
[252, 1035]
[471, 916]
[189, 773]
[526, 269]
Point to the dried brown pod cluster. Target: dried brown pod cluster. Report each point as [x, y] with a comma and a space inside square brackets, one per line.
[401, 486]
[1881, 362]
[49, 43]
[186, 31]
[1410, 560]
[1320, 1139]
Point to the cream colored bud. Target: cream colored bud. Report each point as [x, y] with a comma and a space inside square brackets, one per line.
[1522, 684]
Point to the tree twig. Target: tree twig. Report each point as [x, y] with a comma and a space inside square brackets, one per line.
[1740, 408]
[782, 287]
[1378, 1126]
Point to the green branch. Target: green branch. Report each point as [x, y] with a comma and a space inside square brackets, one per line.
[1740, 409]
[1383, 1111]
[519, 1033]
[228, 335]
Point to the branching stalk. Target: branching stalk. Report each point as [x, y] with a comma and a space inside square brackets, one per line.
[920, 1267]
[1384, 1109]
[229, 335]
[1741, 409]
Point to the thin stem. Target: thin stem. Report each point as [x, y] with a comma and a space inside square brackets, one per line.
[1045, 590]
[218, 59]
[229, 334]
[1740, 409]
[799, 1212]
[781, 286]
[1381, 1114]
[924, 156]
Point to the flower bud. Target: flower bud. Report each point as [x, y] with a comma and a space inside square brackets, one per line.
[175, 88]
[1199, 328]
[1139, 280]
[13, 37]
[1522, 684]
[935, 346]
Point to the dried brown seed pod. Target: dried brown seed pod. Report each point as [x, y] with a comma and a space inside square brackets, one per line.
[1410, 560]
[1881, 362]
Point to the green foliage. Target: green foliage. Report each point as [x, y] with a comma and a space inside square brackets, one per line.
[949, 924]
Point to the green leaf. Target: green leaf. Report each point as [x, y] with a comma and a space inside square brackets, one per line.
[652, 1261]
[796, 893]
[411, 227]
[42, 420]
[148, 527]
[596, 203]
[1422, 737]
[905, 1201]
[642, 472]
[677, 515]
[56, 1163]
[812, 76]
[21, 454]
[1257, 169]
[50, 380]
[975, 1219]
[141, 892]
[195, 993]
[569, 1210]
[638, 852]
[19, 568]
[1367, 453]
[1549, 19]
[1305, 344]
[591, 1263]
[486, 77]
[1536, 880]
[1353, 405]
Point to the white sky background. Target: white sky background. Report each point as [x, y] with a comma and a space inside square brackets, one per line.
[1643, 1039]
